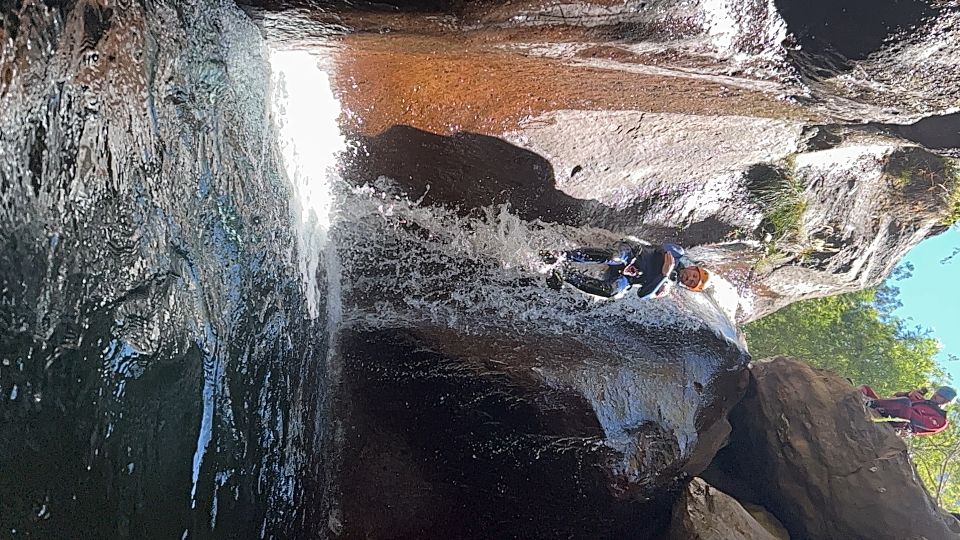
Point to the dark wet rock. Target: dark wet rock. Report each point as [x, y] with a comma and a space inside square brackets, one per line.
[467, 171]
[822, 27]
[804, 446]
[705, 513]
[888, 61]
[147, 317]
[935, 132]
[448, 435]
[767, 520]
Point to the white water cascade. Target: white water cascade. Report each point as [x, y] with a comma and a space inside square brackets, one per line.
[305, 113]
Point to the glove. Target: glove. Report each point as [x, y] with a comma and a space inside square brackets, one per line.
[676, 250]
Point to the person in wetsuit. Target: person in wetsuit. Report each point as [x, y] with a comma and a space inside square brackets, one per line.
[654, 269]
[921, 416]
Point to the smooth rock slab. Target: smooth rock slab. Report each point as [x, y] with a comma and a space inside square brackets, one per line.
[705, 513]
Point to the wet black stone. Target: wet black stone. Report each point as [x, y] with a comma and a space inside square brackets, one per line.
[831, 34]
[443, 447]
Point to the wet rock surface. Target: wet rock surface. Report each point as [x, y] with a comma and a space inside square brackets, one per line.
[149, 324]
[440, 447]
[486, 436]
[804, 447]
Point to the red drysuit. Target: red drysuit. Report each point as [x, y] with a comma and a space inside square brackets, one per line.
[925, 417]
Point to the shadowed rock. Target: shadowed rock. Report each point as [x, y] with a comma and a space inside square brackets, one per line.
[804, 444]
[705, 513]
[466, 170]
[854, 29]
[147, 315]
[449, 435]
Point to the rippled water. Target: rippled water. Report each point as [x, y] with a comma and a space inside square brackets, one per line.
[467, 289]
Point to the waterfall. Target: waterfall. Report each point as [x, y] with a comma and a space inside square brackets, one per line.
[305, 113]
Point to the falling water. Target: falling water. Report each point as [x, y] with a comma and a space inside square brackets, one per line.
[305, 112]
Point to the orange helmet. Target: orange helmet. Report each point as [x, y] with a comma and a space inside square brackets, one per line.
[703, 276]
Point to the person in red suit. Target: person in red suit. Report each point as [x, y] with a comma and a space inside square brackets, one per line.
[921, 416]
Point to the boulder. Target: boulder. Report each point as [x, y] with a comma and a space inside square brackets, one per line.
[804, 443]
[865, 203]
[767, 520]
[705, 513]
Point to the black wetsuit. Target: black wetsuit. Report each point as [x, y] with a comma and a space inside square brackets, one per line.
[648, 261]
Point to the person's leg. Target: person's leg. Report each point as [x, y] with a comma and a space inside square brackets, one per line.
[893, 407]
[588, 255]
[590, 285]
[615, 280]
[619, 285]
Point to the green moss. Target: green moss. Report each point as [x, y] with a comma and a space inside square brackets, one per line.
[953, 192]
[785, 214]
[903, 179]
[781, 198]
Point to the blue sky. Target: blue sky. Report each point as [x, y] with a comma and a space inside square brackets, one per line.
[931, 297]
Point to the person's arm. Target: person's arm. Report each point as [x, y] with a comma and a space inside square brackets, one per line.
[624, 254]
[589, 255]
[591, 285]
[664, 289]
[914, 395]
[668, 262]
[654, 288]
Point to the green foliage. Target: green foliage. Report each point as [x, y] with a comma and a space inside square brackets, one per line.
[780, 196]
[781, 199]
[853, 335]
[953, 193]
[857, 336]
[938, 462]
